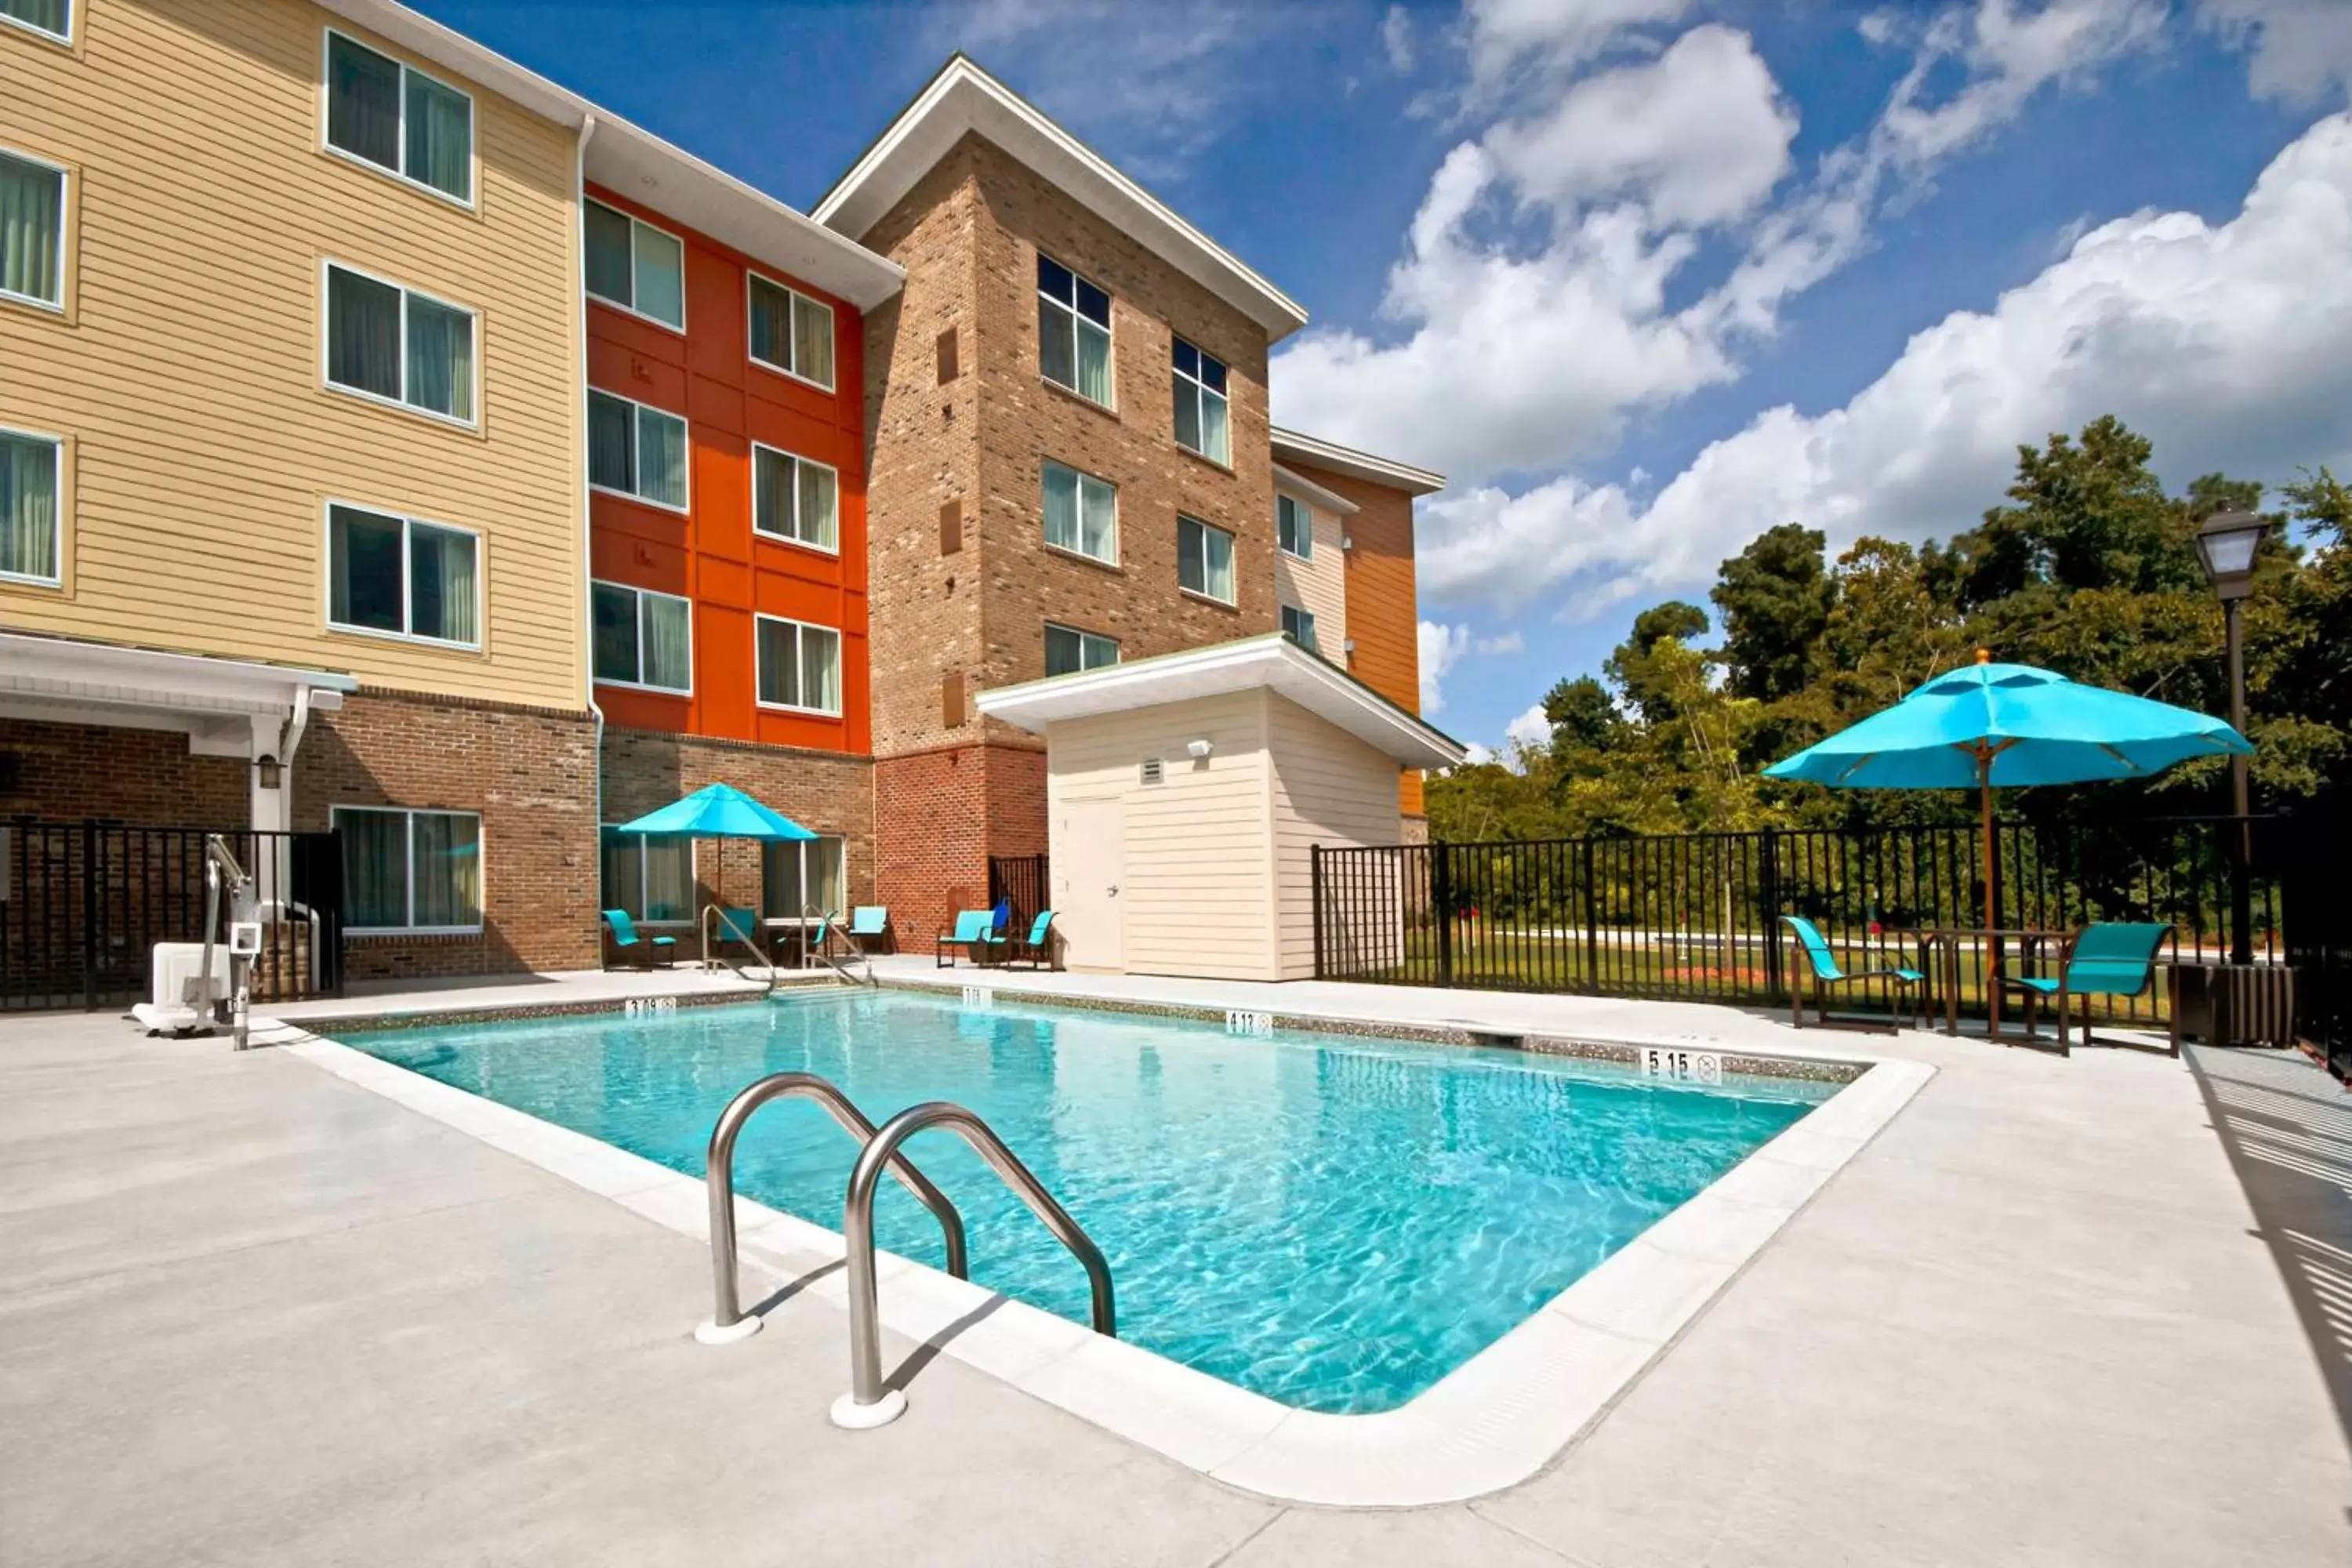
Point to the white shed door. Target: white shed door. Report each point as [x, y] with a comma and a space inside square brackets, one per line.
[1089, 856]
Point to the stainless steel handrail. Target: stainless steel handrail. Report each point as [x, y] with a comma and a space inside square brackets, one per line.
[867, 1403]
[727, 1316]
[221, 866]
[825, 928]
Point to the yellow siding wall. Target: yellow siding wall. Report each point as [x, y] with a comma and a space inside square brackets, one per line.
[186, 372]
[1318, 585]
[1329, 788]
[1197, 891]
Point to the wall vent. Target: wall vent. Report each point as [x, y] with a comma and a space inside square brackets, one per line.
[1152, 770]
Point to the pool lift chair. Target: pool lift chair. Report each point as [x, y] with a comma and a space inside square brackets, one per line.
[207, 998]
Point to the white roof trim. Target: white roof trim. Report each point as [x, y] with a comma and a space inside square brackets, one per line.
[1273, 662]
[640, 165]
[60, 670]
[1318, 453]
[962, 98]
[1308, 490]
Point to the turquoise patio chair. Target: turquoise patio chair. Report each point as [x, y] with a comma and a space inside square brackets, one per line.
[2111, 958]
[621, 932]
[1036, 949]
[869, 927]
[1813, 956]
[741, 925]
[974, 929]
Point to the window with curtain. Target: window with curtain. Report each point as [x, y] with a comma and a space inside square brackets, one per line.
[641, 638]
[799, 665]
[796, 498]
[30, 546]
[388, 341]
[1300, 625]
[634, 265]
[410, 871]
[1073, 332]
[1069, 650]
[650, 878]
[399, 119]
[1204, 559]
[32, 230]
[790, 331]
[54, 17]
[398, 575]
[1081, 512]
[1293, 527]
[636, 450]
[1201, 409]
[802, 873]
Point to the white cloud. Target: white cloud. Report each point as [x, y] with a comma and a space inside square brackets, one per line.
[1509, 642]
[1529, 731]
[2301, 49]
[2227, 345]
[1396, 37]
[1440, 649]
[1506, 39]
[1475, 754]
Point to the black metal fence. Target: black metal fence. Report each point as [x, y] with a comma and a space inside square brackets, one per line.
[1695, 917]
[82, 905]
[1025, 880]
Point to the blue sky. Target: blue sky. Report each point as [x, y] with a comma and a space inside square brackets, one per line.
[1646, 277]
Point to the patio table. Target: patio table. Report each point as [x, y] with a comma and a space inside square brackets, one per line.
[1994, 944]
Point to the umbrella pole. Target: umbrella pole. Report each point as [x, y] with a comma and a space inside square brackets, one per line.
[1992, 921]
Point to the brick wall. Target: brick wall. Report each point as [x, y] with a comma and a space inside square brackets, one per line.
[143, 776]
[530, 775]
[957, 805]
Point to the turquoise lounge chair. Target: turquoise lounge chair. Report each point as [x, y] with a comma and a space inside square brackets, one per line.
[869, 927]
[743, 926]
[974, 929]
[2109, 959]
[622, 933]
[1813, 955]
[1036, 949]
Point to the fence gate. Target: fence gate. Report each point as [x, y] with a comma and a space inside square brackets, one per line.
[1025, 880]
[83, 903]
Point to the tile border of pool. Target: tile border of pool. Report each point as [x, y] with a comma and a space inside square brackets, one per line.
[1499, 1419]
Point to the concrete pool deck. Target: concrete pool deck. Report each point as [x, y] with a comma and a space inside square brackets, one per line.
[2035, 1322]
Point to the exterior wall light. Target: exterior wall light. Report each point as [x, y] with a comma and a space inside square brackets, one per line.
[1199, 749]
[268, 771]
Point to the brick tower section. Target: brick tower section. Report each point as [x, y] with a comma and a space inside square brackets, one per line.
[959, 421]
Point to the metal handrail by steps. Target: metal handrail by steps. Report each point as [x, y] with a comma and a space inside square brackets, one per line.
[728, 1321]
[824, 929]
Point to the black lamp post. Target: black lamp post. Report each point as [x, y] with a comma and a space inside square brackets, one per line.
[2227, 544]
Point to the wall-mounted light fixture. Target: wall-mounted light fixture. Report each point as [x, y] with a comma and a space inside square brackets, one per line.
[1199, 749]
[268, 771]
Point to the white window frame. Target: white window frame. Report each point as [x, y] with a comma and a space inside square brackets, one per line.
[612, 828]
[1084, 478]
[759, 533]
[73, 15]
[1312, 641]
[1111, 335]
[1083, 638]
[328, 266]
[641, 595]
[636, 466]
[1303, 531]
[1201, 393]
[408, 525]
[481, 860]
[800, 847]
[840, 665]
[753, 354]
[630, 308]
[1233, 565]
[58, 545]
[473, 121]
[56, 307]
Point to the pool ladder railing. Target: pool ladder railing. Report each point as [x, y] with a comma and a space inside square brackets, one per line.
[819, 947]
[869, 1402]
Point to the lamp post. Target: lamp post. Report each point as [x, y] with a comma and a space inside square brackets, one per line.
[2226, 544]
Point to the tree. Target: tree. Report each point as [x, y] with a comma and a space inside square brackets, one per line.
[1629, 667]
[1583, 715]
[1776, 597]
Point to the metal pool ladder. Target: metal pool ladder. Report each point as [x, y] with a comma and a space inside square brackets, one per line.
[826, 930]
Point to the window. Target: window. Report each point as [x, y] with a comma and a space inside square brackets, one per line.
[400, 577]
[1293, 527]
[393, 344]
[1068, 651]
[1204, 559]
[1201, 404]
[1081, 513]
[795, 498]
[400, 120]
[790, 331]
[634, 265]
[32, 231]
[30, 534]
[410, 870]
[642, 638]
[649, 877]
[804, 874]
[800, 666]
[1073, 332]
[1299, 624]
[52, 18]
[634, 450]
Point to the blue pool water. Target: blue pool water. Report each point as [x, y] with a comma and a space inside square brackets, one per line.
[1332, 1221]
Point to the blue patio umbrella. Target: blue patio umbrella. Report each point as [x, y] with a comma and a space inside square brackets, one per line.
[2008, 724]
[718, 811]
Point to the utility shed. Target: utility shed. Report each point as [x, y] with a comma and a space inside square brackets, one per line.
[1186, 795]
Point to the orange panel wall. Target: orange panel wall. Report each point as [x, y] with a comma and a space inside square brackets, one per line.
[711, 556]
[1382, 608]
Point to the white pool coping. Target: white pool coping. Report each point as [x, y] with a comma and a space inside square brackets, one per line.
[1494, 1421]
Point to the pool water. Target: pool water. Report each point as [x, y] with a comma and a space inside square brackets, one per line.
[1332, 1221]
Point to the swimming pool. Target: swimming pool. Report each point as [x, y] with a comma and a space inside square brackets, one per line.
[1331, 1221]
